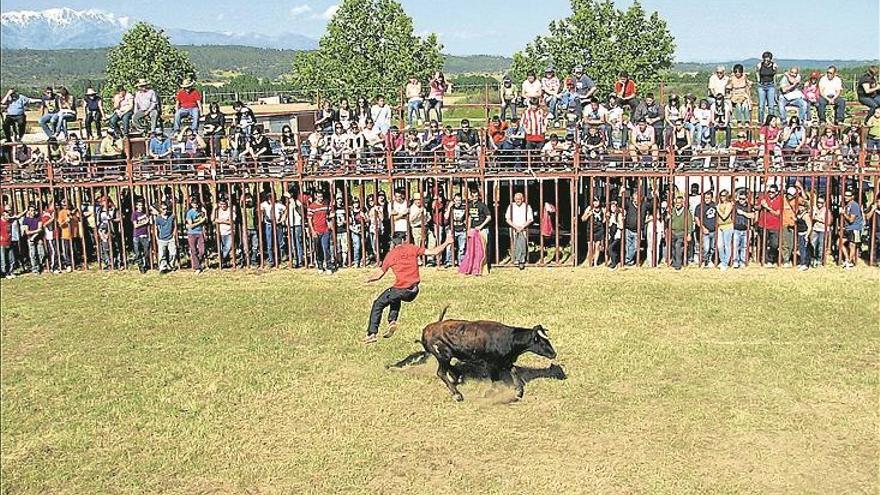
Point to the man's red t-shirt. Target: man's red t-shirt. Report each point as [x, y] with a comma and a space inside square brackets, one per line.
[189, 99]
[769, 221]
[318, 212]
[403, 260]
[625, 91]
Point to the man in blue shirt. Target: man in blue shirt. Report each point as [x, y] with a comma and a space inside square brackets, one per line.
[15, 120]
[195, 233]
[159, 147]
[584, 85]
[705, 215]
[852, 231]
[167, 245]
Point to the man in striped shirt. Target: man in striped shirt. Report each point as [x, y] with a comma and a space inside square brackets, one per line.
[534, 121]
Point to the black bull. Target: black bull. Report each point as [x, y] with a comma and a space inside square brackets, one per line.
[492, 344]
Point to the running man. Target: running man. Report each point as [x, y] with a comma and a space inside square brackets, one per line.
[403, 260]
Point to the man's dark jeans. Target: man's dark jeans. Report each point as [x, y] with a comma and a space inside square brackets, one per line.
[391, 297]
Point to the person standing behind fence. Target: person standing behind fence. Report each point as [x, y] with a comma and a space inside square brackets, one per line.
[456, 214]
[224, 219]
[166, 244]
[744, 214]
[33, 233]
[680, 229]
[854, 222]
[195, 233]
[320, 233]
[68, 226]
[770, 222]
[705, 216]
[519, 217]
[7, 255]
[820, 218]
[725, 229]
[398, 212]
[140, 222]
[479, 217]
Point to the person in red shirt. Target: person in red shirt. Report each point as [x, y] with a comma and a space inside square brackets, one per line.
[449, 141]
[625, 90]
[770, 223]
[7, 256]
[320, 230]
[188, 103]
[403, 260]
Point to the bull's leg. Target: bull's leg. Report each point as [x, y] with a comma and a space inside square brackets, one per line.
[517, 382]
[443, 369]
[495, 374]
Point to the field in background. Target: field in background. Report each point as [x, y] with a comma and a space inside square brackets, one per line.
[745, 382]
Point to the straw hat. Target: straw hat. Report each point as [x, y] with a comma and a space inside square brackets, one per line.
[91, 92]
[142, 83]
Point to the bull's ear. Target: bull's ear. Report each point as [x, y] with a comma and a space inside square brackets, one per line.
[540, 331]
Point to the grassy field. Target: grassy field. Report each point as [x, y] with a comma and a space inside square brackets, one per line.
[696, 382]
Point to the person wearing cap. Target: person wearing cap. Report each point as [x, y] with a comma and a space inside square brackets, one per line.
[584, 85]
[159, 147]
[188, 103]
[509, 96]
[718, 82]
[790, 93]
[15, 116]
[146, 104]
[123, 109]
[550, 88]
[531, 87]
[770, 223]
[93, 108]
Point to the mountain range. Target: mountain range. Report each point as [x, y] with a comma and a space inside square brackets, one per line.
[61, 28]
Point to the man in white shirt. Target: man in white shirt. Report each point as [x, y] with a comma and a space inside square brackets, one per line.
[519, 216]
[399, 213]
[531, 87]
[790, 94]
[418, 222]
[550, 87]
[718, 83]
[381, 114]
[831, 93]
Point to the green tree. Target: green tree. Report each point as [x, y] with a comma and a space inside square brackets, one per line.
[604, 40]
[146, 53]
[369, 48]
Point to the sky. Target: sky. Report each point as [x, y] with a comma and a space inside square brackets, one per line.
[705, 30]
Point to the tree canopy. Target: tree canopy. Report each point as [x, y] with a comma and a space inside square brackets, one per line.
[369, 48]
[604, 40]
[146, 53]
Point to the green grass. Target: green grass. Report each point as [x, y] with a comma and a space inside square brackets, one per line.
[695, 382]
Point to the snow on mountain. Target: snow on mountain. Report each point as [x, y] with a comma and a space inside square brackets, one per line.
[68, 28]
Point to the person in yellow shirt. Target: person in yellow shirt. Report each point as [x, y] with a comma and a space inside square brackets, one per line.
[725, 229]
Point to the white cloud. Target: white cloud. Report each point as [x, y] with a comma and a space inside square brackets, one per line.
[221, 16]
[300, 10]
[329, 13]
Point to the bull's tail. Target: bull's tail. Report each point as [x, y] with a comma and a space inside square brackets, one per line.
[443, 313]
[413, 359]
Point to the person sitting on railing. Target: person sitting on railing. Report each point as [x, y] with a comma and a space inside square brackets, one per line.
[66, 111]
[531, 88]
[15, 116]
[495, 133]
[76, 152]
[793, 142]
[338, 145]
[362, 111]
[381, 115]
[214, 129]
[722, 110]
[650, 110]
[259, 150]
[468, 141]
[594, 144]
[509, 98]
[550, 91]
[191, 146]
[829, 147]
[432, 137]
[159, 147]
[625, 90]
[672, 113]
[831, 93]
[702, 125]
[355, 145]
[111, 146]
[570, 100]
[450, 143]
[718, 82]
[413, 148]
[680, 142]
[22, 161]
[618, 135]
[188, 103]
[49, 119]
[534, 121]
[594, 115]
[790, 93]
[514, 136]
[551, 152]
[146, 105]
[374, 140]
[771, 133]
[54, 151]
[244, 119]
[572, 116]
[643, 143]
[872, 142]
[315, 148]
[744, 151]
[868, 90]
[123, 109]
[325, 117]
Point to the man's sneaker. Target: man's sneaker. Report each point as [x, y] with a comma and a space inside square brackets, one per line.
[786, 265]
[723, 268]
[735, 266]
[392, 327]
[803, 268]
[770, 265]
[371, 339]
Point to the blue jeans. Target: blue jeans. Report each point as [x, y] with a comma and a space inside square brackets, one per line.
[742, 114]
[817, 241]
[298, 243]
[254, 246]
[871, 103]
[839, 109]
[414, 111]
[766, 100]
[460, 242]
[505, 105]
[61, 123]
[356, 249]
[7, 261]
[740, 240]
[324, 256]
[225, 247]
[183, 112]
[803, 250]
[724, 246]
[124, 120]
[271, 238]
[800, 103]
[48, 122]
[632, 244]
[551, 104]
[709, 248]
